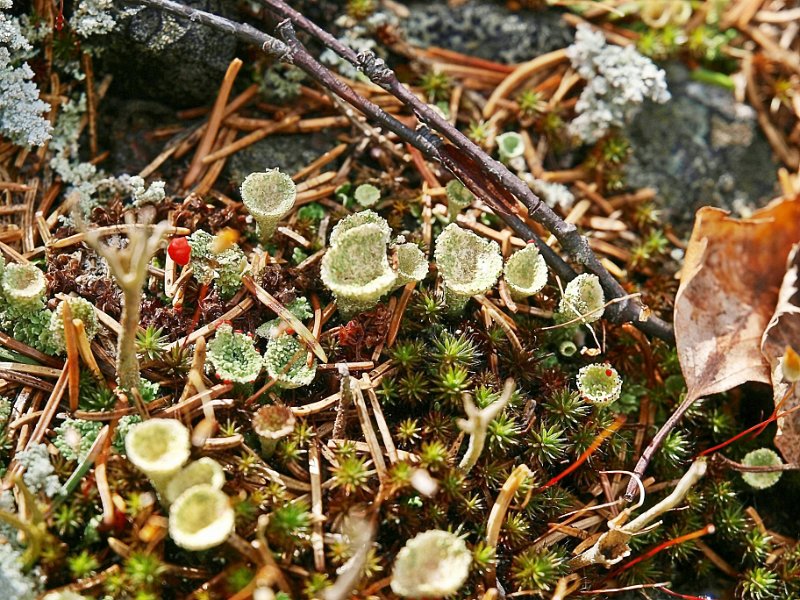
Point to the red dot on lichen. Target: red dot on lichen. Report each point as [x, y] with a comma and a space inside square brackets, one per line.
[609, 372]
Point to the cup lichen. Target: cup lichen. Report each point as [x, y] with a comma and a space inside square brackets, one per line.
[158, 448]
[469, 265]
[268, 196]
[356, 267]
[762, 457]
[525, 272]
[285, 359]
[200, 518]
[583, 299]
[233, 355]
[599, 383]
[433, 564]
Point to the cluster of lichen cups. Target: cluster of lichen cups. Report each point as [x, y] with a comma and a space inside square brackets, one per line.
[200, 513]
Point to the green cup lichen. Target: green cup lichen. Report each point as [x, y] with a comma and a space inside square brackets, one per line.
[411, 264]
[583, 299]
[225, 268]
[158, 448]
[204, 471]
[355, 220]
[24, 286]
[458, 198]
[525, 272]
[268, 196]
[433, 564]
[367, 195]
[468, 264]
[510, 145]
[201, 518]
[286, 363]
[763, 457]
[233, 355]
[81, 309]
[599, 383]
[356, 267]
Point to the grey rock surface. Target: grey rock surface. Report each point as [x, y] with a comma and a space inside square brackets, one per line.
[290, 153]
[701, 148]
[154, 55]
[486, 29]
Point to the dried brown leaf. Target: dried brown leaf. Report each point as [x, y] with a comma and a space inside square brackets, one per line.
[728, 293]
[784, 330]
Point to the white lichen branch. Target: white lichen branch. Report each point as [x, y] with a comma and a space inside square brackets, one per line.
[612, 546]
[476, 425]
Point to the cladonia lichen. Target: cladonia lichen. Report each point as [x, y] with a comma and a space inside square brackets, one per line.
[618, 80]
[268, 196]
[525, 272]
[233, 355]
[433, 564]
[287, 364]
[468, 264]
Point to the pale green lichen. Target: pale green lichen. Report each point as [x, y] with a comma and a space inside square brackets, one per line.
[299, 307]
[201, 518]
[599, 383]
[433, 564]
[469, 265]
[224, 268]
[81, 309]
[268, 196]
[411, 264]
[204, 471]
[233, 355]
[367, 195]
[763, 457]
[510, 145]
[74, 438]
[24, 286]
[286, 362]
[525, 272]
[356, 268]
[356, 220]
[583, 299]
[158, 448]
[458, 198]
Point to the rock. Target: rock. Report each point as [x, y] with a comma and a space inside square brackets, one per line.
[154, 55]
[126, 132]
[487, 29]
[290, 153]
[701, 148]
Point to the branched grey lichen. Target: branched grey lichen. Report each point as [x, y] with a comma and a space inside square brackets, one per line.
[553, 194]
[93, 17]
[468, 264]
[14, 581]
[21, 111]
[39, 472]
[618, 80]
[129, 265]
